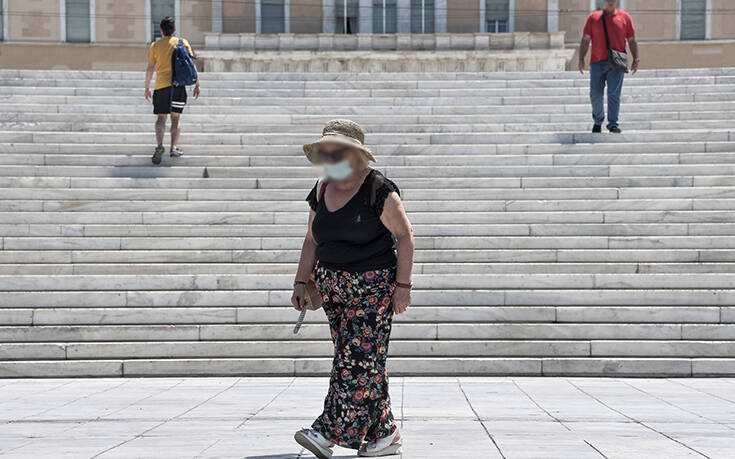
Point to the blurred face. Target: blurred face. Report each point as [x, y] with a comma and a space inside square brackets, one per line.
[339, 161]
[610, 6]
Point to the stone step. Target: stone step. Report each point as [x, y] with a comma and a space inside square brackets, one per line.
[455, 90]
[431, 282]
[395, 172]
[416, 199]
[710, 95]
[430, 333]
[399, 348]
[19, 267]
[437, 218]
[416, 314]
[421, 230]
[244, 82]
[460, 188]
[247, 244]
[393, 160]
[210, 85]
[471, 256]
[258, 211]
[265, 298]
[721, 135]
[203, 127]
[371, 123]
[406, 366]
[600, 147]
[579, 106]
[62, 75]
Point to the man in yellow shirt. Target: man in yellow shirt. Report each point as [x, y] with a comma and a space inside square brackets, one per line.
[159, 61]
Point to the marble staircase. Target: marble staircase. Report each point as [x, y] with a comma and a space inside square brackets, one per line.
[542, 249]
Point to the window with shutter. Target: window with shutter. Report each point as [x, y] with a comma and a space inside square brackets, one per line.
[77, 21]
[385, 16]
[422, 16]
[693, 19]
[272, 16]
[497, 13]
[159, 10]
[346, 16]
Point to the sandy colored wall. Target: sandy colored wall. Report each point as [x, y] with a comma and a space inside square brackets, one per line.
[572, 17]
[75, 56]
[683, 54]
[653, 19]
[238, 16]
[723, 19]
[128, 25]
[463, 16]
[196, 18]
[34, 20]
[306, 16]
[530, 16]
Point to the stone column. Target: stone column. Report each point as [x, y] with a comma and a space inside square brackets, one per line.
[552, 15]
[483, 19]
[440, 16]
[92, 21]
[708, 20]
[217, 16]
[511, 16]
[287, 17]
[62, 20]
[148, 29]
[404, 16]
[258, 17]
[328, 20]
[6, 23]
[365, 19]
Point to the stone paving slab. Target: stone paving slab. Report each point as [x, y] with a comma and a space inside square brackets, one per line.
[448, 417]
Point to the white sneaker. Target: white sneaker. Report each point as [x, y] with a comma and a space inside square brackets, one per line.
[382, 447]
[314, 442]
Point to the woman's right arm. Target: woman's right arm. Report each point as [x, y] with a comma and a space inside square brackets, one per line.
[306, 266]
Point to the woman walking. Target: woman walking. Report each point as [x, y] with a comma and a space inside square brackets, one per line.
[356, 223]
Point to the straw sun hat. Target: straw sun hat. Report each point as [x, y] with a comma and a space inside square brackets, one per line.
[344, 132]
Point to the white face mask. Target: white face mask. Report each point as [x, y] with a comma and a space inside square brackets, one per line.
[338, 171]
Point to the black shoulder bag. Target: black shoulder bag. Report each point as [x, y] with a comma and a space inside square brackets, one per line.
[618, 60]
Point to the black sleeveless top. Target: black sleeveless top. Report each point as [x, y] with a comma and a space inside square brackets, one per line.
[353, 238]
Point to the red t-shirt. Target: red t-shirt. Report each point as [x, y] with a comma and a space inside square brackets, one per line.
[619, 29]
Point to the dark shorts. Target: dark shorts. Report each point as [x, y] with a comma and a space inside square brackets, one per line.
[162, 103]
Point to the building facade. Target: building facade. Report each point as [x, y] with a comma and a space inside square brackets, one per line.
[86, 24]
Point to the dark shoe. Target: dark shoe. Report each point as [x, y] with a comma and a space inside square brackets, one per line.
[596, 129]
[158, 154]
[615, 130]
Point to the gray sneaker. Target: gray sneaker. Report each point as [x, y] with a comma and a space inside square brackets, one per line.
[176, 152]
[158, 154]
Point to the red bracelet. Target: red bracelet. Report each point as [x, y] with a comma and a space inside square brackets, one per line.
[402, 285]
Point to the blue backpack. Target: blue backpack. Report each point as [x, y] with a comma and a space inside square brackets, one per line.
[182, 66]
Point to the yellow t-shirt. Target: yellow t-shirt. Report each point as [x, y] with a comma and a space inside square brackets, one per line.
[160, 54]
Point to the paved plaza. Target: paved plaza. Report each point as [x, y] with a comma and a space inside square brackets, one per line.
[439, 417]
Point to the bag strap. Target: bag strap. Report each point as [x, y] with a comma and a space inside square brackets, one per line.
[604, 27]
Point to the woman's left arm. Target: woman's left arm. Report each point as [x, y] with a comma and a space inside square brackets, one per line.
[394, 218]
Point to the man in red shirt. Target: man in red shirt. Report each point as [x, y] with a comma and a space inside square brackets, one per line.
[619, 29]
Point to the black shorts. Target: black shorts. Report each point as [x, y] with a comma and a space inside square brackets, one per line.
[162, 103]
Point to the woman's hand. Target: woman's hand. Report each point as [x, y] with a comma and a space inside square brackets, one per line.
[401, 299]
[298, 299]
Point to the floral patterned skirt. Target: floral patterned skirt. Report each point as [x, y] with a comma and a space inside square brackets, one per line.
[359, 309]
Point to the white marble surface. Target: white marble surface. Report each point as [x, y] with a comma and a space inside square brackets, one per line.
[442, 418]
